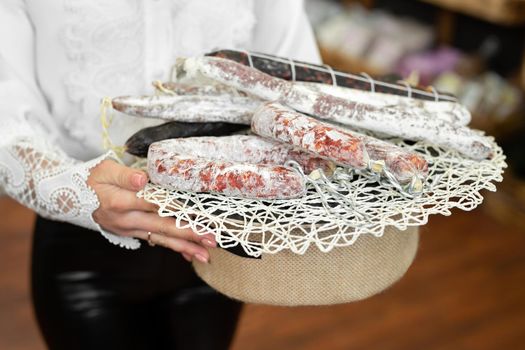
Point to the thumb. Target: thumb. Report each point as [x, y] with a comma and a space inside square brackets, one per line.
[127, 178]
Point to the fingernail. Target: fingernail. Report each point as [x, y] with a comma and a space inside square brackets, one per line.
[201, 258]
[138, 180]
[209, 243]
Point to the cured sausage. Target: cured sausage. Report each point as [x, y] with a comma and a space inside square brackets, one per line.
[344, 147]
[197, 89]
[238, 165]
[201, 165]
[279, 123]
[233, 74]
[190, 108]
[451, 112]
[218, 176]
[389, 120]
[394, 121]
[139, 142]
[247, 149]
[288, 69]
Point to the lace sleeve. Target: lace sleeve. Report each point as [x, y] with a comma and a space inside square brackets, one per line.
[33, 170]
[40, 176]
[44, 179]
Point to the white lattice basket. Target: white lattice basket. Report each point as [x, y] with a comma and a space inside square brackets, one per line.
[335, 212]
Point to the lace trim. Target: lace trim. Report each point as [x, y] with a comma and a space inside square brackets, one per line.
[43, 178]
[124, 242]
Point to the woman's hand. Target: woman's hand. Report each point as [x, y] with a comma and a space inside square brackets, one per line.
[122, 213]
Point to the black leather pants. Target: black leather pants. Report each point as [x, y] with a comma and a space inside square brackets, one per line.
[90, 294]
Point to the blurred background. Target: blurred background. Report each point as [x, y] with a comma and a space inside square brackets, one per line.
[466, 288]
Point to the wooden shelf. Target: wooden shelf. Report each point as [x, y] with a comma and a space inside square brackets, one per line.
[506, 12]
[501, 12]
[342, 62]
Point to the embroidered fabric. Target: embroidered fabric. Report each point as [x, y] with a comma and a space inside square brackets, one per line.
[119, 47]
[43, 178]
[105, 53]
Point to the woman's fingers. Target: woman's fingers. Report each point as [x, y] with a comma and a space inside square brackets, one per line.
[151, 222]
[112, 173]
[123, 200]
[187, 248]
[121, 212]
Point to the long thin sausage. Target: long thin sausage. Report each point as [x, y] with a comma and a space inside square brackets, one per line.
[197, 89]
[190, 108]
[451, 112]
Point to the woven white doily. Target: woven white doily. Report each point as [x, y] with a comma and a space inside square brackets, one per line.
[334, 212]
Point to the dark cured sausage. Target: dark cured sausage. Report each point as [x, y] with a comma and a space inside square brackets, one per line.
[282, 68]
[139, 142]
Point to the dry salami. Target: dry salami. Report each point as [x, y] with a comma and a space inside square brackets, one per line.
[190, 108]
[238, 165]
[288, 69]
[233, 74]
[197, 89]
[389, 120]
[451, 112]
[229, 178]
[342, 146]
[392, 120]
[277, 122]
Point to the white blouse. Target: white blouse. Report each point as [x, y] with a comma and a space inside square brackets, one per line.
[59, 58]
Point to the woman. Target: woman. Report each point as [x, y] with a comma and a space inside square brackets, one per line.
[58, 58]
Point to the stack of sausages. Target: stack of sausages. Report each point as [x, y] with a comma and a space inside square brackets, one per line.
[215, 99]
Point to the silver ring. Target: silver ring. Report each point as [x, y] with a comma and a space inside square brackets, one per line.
[150, 242]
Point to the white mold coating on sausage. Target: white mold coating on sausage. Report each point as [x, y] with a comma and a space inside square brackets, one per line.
[204, 174]
[198, 109]
[244, 149]
[451, 112]
[275, 121]
[281, 123]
